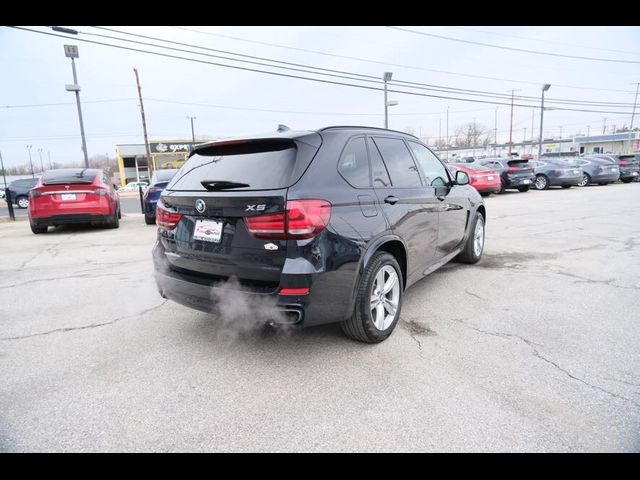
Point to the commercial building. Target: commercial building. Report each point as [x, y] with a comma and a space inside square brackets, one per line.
[132, 158]
[627, 142]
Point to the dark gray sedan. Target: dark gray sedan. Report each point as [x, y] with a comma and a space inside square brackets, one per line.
[595, 170]
[555, 171]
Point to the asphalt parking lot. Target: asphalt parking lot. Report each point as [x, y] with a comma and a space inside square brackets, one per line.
[536, 348]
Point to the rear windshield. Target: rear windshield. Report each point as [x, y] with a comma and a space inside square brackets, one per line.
[65, 176]
[263, 164]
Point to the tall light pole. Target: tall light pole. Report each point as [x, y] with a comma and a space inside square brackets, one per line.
[495, 133]
[41, 165]
[545, 87]
[193, 136]
[71, 51]
[560, 142]
[511, 123]
[49, 157]
[387, 77]
[30, 162]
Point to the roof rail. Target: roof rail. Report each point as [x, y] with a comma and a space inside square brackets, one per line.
[368, 128]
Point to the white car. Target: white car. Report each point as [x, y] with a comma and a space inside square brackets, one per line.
[133, 186]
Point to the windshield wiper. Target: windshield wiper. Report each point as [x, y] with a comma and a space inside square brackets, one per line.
[222, 184]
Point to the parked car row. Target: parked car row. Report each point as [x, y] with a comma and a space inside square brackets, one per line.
[549, 171]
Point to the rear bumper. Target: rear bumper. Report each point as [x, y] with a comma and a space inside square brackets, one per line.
[607, 177]
[72, 218]
[624, 174]
[329, 299]
[487, 188]
[519, 181]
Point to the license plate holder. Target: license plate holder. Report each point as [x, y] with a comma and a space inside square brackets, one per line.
[67, 196]
[208, 231]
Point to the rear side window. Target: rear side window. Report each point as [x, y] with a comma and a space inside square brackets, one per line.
[263, 164]
[433, 170]
[379, 171]
[400, 164]
[354, 163]
[65, 176]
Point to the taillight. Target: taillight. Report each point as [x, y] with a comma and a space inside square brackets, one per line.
[512, 169]
[166, 219]
[101, 191]
[624, 163]
[302, 219]
[294, 291]
[34, 193]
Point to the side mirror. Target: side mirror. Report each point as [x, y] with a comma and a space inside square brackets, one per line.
[462, 178]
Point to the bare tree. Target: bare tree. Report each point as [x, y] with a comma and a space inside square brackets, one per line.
[472, 134]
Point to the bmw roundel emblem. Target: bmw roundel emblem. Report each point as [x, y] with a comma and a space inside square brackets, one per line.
[200, 206]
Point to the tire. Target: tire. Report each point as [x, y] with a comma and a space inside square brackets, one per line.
[586, 180]
[626, 180]
[485, 194]
[605, 183]
[362, 326]
[119, 212]
[524, 189]
[149, 220]
[472, 252]
[567, 186]
[502, 188]
[22, 201]
[542, 182]
[38, 228]
[115, 221]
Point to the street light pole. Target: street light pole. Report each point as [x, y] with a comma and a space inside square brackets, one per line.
[447, 133]
[71, 51]
[49, 157]
[545, 87]
[30, 162]
[193, 137]
[387, 77]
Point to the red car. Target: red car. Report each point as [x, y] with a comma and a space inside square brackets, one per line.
[73, 195]
[484, 180]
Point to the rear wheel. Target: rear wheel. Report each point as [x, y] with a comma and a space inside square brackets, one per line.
[542, 182]
[485, 194]
[472, 251]
[502, 187]
[586, 180]
[566, 186]
[114, 222]
[149, 220]
[38, 228]
[22, 201]
[524, 189]
[378, 302]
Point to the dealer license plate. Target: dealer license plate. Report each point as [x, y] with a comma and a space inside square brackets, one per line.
[208, 231]
[67, 196]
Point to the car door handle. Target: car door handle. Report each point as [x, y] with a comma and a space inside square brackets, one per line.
[391, 200]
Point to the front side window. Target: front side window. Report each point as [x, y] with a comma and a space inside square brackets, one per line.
[433, 170]
[399, 163]
[354, 163]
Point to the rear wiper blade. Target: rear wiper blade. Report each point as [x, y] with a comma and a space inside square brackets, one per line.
[222, 184]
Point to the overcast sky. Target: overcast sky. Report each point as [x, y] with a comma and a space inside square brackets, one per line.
[231, 102]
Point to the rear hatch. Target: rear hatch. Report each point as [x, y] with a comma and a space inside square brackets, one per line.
[629, 165]
[518, 170]
[67, 189]
[227, 204]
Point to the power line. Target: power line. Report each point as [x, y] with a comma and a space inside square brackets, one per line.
[512, 48]
[66, 103]
[547, 41]
[430, 87]
[413, 67]
[286, 75]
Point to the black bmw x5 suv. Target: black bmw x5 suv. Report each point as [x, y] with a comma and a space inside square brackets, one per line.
[329, 226]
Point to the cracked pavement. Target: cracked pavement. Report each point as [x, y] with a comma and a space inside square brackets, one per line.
[536, 348]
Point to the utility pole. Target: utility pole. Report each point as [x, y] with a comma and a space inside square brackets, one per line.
[604, 125]
[41, 165]
[447, 133]
[560, 142]
[511, 123]
[193, 136]
[49, 156]
[144, 126]
[524, 139]
[495, 133]
[588, 130]
[29, 147]
[440, 133]
[633, 114]
[545, 87]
